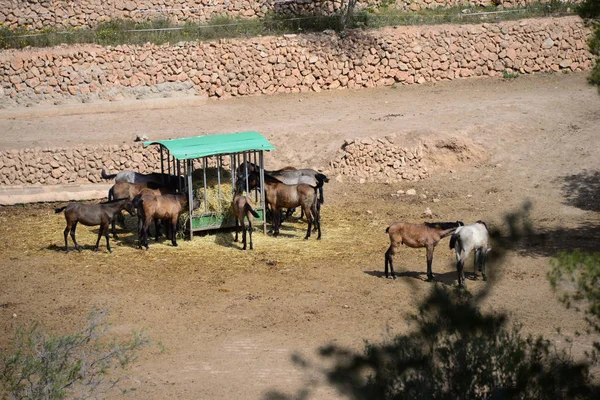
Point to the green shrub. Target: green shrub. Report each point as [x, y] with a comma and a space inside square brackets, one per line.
[39, 365]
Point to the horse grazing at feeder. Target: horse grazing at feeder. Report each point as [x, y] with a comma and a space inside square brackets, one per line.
[121, 190]
[242, 208]
[290, 176]
[92, 215]
[279, 195]
[426, 235]
[152, 206]
[466, 239]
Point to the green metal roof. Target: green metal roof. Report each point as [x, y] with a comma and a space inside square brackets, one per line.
[210, 145]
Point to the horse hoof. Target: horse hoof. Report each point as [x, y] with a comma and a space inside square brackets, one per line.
[175, 245]
[110, 251]
[429, 279]
[485, 278]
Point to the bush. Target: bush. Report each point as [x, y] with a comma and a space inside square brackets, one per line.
[39, 365]
[455, 352]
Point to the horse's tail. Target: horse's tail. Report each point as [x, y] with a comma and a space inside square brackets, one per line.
[321, 179]
[250, 210]
[453, 241]
[59, 210]
[387, 230]
[105, 176]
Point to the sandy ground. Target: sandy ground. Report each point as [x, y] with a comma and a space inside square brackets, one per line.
[229, 321]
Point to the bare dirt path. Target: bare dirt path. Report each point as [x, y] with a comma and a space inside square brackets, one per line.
[230, 321]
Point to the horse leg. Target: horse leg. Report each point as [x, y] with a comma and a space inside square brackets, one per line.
[77, 247]
[66, 234]
[388, 261]
[157, 229]
[106, 236]
[140, 230]
[317, 215]
[275, 220]
[146, 231]
[460, 269]
[309, 219]
[243, 234]
[476, 262]
[174, 231]
[483, 262]
[100, 234]
[237, 228]
[112, 225]
[429, 262]
[250, 233]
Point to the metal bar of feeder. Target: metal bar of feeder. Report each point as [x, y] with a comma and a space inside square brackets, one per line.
[246, 169]
[189, 168]
[233, 172]
[219, 181]
[255, 189]
[162, 166]
[179, 177]
[204, 174]
[262, 192]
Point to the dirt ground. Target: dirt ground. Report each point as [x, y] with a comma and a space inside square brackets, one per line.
[229, 320]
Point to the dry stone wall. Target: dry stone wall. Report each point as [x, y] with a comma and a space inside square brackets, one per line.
[379, 159]
[292, 63]
[50, 166]
[40, 14]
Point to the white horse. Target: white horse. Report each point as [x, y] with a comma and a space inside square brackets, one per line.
[468, 238]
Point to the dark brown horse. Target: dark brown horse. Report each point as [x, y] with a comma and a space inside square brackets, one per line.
[279, 195]
[122, 190]
[242, 209]
[425, 235]
[92, 215]
[151, 206]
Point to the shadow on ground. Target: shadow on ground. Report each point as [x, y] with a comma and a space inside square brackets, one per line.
[582, 190]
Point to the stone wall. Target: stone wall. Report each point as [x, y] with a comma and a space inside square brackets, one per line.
[74, 165]
[388, 160]
[292, 63]
[379, 159]
[41, 14]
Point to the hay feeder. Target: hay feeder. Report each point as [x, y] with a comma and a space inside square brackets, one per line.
[208, 164]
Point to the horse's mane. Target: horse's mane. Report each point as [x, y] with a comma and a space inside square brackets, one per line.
[269, 178]
[482, 223]
[444, 225]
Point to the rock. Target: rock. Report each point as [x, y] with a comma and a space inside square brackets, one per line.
[436, 200]
[140, 138]
[400, 191]
[411, 192]
[428, 212]
[369, 212]
[361, 180]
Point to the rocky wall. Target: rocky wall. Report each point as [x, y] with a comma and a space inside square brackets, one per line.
[380, 160]
[42, 14]
[50, 166]
[292, 63]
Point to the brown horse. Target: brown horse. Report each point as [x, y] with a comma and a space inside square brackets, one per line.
[122, 190]
[279, 195]
[152, 206]
[242, 208]
[91, 215]
[425, 235]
